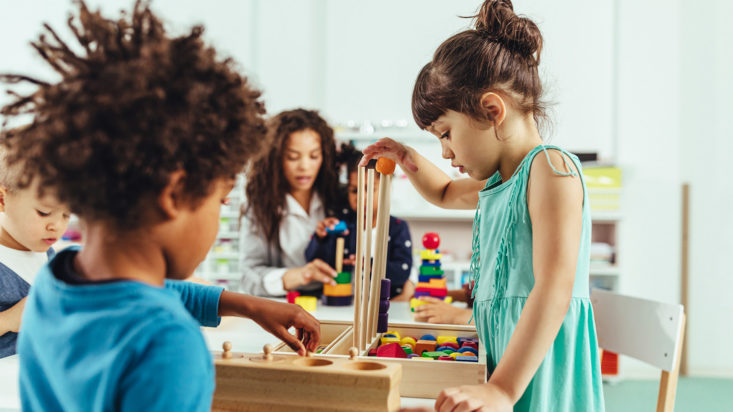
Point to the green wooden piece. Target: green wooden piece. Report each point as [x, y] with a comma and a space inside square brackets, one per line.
[343, 278]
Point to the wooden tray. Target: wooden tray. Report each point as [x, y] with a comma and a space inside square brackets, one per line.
[423, 379]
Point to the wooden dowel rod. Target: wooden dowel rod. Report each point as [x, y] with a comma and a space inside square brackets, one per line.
[359, 263]
[369, 220]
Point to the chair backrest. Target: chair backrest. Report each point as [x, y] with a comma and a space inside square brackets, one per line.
[649, 331]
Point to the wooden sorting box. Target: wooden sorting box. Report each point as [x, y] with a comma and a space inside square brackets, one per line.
[287, 382]
[420, 379]
[331, 333]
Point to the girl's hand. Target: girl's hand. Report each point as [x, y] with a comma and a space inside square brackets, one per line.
[485, 398]
[351, 260]
[327, 223]
[390, 149]
[317, 270]
[437, 311]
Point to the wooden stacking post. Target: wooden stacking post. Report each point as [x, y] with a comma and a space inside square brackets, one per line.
[359, 263]
[339, 254]
[385, 167]
[368, 223]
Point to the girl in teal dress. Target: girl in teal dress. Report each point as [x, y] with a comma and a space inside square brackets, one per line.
[481, 97]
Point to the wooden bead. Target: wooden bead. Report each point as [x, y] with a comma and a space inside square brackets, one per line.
[385, 166]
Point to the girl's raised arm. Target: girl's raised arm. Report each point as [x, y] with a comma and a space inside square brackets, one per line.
[431, 182]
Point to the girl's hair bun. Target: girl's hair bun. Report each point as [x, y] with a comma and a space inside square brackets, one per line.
[497, 21]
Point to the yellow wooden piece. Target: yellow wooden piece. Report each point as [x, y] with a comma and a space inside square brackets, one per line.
[407, 340]
[391, 332]
[443, 339]
[454, 354]
[337, 290]
[429, 254]
[389, 339]
[434, 284]
[308, 303]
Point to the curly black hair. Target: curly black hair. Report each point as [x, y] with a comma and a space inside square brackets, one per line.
[134, 106]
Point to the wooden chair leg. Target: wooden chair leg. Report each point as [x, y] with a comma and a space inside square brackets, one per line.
[668, 381]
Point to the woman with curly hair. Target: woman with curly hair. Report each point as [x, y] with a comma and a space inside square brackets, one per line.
[142, 138]
[289, 190]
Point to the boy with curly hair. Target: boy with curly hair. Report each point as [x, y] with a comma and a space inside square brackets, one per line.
[142, 137]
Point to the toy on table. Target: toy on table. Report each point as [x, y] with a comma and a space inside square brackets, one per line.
[339, 294]
[287, 382]
[427, 347]
[308, 303]
[431, 281]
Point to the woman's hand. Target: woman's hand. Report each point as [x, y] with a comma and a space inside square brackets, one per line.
[317, 270]
[390, 149]
[437, 311]
[485, 398]
[327, 223]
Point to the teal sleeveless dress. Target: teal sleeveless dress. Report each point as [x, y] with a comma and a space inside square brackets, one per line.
[569, 378]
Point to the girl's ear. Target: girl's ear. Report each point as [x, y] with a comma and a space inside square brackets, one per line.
[494, 106]
[171, 199]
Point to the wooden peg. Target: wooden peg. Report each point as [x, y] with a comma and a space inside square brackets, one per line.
[359, 264]
[267, 350]
[353, 353]
[339, 254]
[227, 347]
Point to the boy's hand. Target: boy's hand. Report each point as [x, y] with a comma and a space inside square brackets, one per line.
[317, 270]
[327, 223]
[10, 318]
[437, 311]
[386, 147]
[276, 318]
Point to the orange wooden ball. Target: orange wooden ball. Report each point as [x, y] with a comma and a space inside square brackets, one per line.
[385, 166]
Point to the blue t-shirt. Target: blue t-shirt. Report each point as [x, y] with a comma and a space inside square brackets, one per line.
[119, 345]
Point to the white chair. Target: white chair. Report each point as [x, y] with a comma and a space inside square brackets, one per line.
[649, 331]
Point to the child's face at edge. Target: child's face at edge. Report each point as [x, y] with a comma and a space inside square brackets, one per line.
[353, 190]
[470, 145]
[30, 223]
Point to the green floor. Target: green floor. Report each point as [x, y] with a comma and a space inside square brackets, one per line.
[693, 394]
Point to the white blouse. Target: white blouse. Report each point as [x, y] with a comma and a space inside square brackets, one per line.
[263, 266]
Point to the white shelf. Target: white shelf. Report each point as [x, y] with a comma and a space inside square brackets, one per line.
[460, 215]
[399, 135]
[603, 216]
[226, 234]
[604, 270]
[224, 255]
[440, 215]
[214, 276]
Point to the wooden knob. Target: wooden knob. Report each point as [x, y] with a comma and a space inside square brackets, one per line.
[267, 350]
[385, 166]
[308, 354]
[353, 353]
[227, 346]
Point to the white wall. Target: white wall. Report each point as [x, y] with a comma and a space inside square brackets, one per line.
[706, 131]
